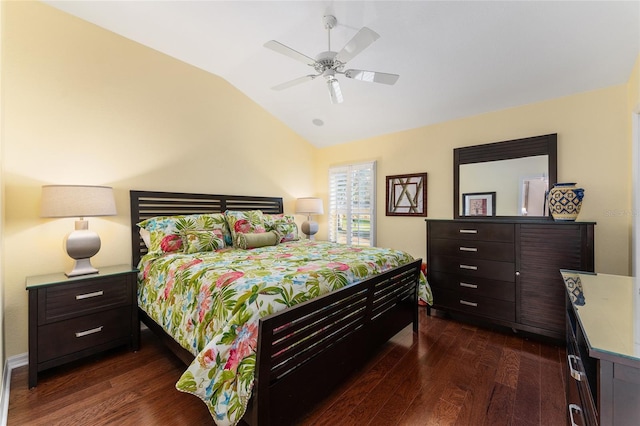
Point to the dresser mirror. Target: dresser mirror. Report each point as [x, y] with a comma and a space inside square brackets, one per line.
[504, 179]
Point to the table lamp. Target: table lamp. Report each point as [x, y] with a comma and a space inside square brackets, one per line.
[79, 201]
[309, 206]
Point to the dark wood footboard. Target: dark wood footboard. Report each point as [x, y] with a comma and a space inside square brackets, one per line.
[305, 351]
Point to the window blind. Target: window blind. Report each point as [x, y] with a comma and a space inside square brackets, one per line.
[352, 204]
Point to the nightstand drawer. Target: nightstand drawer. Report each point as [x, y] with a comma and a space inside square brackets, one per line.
[71, 300]
[65, 337]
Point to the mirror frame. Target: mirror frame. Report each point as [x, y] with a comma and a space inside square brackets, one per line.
[506, 150]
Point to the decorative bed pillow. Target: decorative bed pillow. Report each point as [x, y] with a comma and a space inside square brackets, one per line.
[284, 224]
[165, 230]
[146, 237]
[255, 240]
[217, 221]
[201, 240]
[244, 222]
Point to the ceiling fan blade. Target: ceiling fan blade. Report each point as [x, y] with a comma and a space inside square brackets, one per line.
[294, 82]
[287, 51]
[357, 44]
[334, 91]
[372, 76]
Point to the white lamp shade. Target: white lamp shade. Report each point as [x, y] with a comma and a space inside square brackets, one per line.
[309, 206]
[77, 201]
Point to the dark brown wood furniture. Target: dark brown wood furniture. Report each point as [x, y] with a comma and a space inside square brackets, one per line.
[506, 271]
[292, 377]
[603, 350]
[71, 318]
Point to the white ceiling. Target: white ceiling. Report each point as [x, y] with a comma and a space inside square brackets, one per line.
[454, 58]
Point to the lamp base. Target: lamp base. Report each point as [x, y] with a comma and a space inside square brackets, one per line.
[81, 244]
[309, 228]
[81, 267]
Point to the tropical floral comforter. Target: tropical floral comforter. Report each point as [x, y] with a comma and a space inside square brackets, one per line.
[210, 302]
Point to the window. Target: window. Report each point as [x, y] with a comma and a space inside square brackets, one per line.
[352, 204]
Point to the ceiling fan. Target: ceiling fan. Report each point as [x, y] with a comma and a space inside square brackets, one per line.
[329, 64]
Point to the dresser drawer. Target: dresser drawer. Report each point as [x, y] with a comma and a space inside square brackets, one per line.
[488, 250]
[65, 337]
[499, 271]
[581, 407]
[68, 301]
[473, 286]
[479, 306]
[473, 231]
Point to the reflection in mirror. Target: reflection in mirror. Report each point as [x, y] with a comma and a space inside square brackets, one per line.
[533, 194]
[507, 179]
[519, 171]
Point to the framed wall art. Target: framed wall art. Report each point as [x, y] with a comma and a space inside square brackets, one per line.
[479, 204]
[407, 195]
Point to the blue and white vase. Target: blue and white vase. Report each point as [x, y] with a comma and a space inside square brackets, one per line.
[565, 201]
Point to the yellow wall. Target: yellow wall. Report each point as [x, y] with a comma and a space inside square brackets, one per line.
[85, 106]
[593, 150]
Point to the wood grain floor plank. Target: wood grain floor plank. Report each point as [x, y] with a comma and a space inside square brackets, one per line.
[528, 392]
[500, 406]
[553, 403]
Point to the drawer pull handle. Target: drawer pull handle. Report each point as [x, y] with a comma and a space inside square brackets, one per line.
[88, 332]
[577, 409]
[89, 295]
[471, 249]
[464, 302]
[575, 372]
[467, 285]
[468, 231]
[470, 267]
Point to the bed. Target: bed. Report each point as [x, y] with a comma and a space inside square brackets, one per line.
[301, 352]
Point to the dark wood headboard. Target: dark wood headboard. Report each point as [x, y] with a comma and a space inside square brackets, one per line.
[147, 204]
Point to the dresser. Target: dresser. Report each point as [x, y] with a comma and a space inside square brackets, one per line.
[506, 271]
[603, 349]
[71, 318]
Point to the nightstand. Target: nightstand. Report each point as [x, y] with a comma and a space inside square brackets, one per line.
[71, 318]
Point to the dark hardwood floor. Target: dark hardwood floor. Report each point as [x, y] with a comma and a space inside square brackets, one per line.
[451, 373]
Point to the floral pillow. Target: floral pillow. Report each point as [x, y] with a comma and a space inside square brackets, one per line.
[244, 222]
[200, 240]
[284, 224]
[165, 231]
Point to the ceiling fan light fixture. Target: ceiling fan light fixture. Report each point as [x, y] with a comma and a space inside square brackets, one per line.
[335, 93]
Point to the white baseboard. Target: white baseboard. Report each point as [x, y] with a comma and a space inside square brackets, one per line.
[10, 363]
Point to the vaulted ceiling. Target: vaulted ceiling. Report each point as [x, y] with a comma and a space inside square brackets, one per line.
[454, 58]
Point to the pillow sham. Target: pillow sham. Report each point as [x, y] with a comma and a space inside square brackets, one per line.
[165, 230]
[244, 222]
[201, 240]
[284, 224]
[146, 237]
[254, 240]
